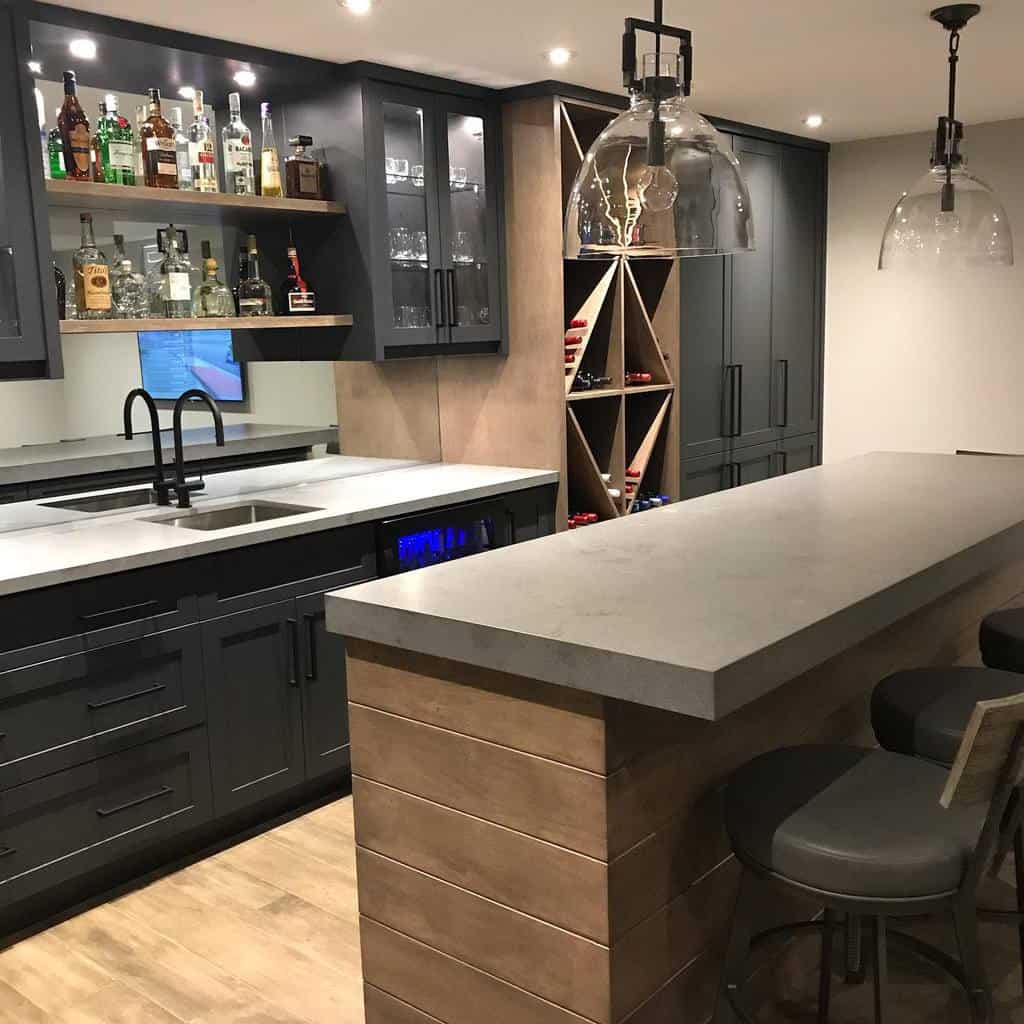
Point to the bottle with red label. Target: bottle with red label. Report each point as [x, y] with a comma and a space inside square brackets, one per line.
[76, 139]
[638, 378]
[296, 296]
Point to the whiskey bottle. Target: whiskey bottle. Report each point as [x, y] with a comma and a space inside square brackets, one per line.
[158, 150]
[181, 153]
[74, 132]
[239, 178]
[92, 276]
[127, 288]
[175, 285]
[55, 152]
[296, 296]
[211, 297]
[115, 145]
[201, 154]
[301, 172]
[270, 164]
[254, 295]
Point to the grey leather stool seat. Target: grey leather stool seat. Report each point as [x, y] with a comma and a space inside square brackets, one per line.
[1002, 640]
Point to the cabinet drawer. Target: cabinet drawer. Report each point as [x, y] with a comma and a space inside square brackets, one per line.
[74, 821]
[73, 709]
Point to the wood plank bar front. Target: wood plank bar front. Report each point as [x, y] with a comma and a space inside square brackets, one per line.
[532, 853]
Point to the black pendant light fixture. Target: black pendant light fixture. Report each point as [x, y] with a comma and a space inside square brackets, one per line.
[949, 219]
[658, 181]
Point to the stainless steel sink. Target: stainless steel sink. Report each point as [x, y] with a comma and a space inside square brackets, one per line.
[104, 502]
[228, 516]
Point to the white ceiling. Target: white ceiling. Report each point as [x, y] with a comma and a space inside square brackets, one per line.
[874, 67]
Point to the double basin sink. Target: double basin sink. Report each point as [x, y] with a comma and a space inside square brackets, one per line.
[245, 513]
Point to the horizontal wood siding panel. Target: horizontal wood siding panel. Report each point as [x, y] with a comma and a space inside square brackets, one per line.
[448, 989]
[687, 998]
[543, 880]
[552, 721]
[556, 965]
[380, 1008]
[541, 798]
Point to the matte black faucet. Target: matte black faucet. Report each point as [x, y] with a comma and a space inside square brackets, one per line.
[182, 489]
[161, 485]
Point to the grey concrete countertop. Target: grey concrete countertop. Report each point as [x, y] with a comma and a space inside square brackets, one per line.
[36, 552]
[101, 454]
[702, 607]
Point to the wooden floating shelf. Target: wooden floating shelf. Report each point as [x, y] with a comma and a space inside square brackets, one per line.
[140, 199]
[228, 323]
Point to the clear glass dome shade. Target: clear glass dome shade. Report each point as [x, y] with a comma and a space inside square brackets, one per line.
[920, 235]
[695, 204]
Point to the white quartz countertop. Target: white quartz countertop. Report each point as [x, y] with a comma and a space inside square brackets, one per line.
[78, 456]
[37, 550]
[704, 606]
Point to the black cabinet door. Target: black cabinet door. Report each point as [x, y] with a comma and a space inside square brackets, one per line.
[324, 691]
[706, 475]
[751, 298]
[796, 290]
[796, 453]
[29, 341]
[254, 704]
[754, 463]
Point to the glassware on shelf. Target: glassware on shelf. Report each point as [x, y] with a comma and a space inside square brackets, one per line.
[129, 298]
[201, 150]
[92, 276]
[458, 177]
[401, 244]
[212, 298]
[412, 316]
[175, 283]
[419, 246]
[239, 175]
[270, 162]
[483, 316]
[396, 169]
[417, 175]
[462, 248]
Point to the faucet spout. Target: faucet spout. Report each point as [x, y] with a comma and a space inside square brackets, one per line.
[160, 483]
[181, 488]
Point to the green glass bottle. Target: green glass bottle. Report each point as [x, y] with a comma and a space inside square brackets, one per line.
[117, 145]
[55, 148]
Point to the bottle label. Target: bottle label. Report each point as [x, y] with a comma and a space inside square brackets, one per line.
[238, 156]
[251, 305]
[309, 179]
[96, 285]
[301, 302]
[201, 154]
[121, 155]
[270, 172]
[163, 145]
[81, 147]
[177, 287]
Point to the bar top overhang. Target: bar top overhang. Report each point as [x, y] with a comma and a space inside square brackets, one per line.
[704, 606]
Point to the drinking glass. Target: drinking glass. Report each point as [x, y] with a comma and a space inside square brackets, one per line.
[459, 176]
[390, 170]
[484, 315]
[401, 244]
[462, 250]
[417, 175]
[419, 246]
[401, 169]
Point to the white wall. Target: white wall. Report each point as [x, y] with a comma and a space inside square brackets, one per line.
[920, 363]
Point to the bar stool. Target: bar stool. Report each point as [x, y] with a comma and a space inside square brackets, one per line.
[871, 833]
[1002, 640]
[923, 712]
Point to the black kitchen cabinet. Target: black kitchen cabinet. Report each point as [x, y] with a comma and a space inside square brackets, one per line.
[254, 705]
[29, 335]
[796, 453]
[735, 467]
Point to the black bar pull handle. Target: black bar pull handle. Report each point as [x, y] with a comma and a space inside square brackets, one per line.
[106, 812]
[450, 293]
[728, 399]
[440, 319]
[783, 393]
[122, 614]
[96, 705]
[293, 639]
[738, 403]
[311, 667]
[7, 851]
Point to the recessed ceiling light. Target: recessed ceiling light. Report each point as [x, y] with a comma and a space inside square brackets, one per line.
[83, 49]
[560, 56]
[187, 92]
[814, 120]
[35, 67]
[245, 78]
[357, 6]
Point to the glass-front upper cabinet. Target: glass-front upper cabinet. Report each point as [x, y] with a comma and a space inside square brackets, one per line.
[438, 278]
[26, 276]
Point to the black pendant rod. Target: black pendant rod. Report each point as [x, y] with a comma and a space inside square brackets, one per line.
[951, 125]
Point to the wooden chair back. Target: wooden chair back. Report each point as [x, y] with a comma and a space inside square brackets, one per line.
[989, 757]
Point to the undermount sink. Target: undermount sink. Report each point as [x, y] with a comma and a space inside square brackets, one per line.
[234, 515]
[104, 502]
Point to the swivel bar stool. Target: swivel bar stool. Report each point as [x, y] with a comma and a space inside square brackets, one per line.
[873, 834]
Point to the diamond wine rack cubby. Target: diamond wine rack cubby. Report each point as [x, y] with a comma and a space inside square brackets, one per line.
[621, 349]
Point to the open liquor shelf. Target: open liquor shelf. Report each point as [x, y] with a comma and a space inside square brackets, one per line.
[228, 323]
[163, 203]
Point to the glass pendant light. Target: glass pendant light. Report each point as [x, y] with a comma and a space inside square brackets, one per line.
[659, 181]
[949, 219]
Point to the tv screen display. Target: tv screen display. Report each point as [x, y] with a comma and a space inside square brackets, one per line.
[174, 361]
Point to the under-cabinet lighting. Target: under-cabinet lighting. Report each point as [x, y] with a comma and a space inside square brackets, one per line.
[83, 49]
[35, 67]
[245, 78]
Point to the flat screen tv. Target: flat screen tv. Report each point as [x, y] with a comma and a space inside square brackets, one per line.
[174, 361]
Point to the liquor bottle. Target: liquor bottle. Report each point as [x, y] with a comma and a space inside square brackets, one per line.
[92, 276]
[239, 178]
[74, 132]
[243, 273]
[158, 149]
[254, 295]
[211, 297]
[55, 153]
[115, 145]
[201, 152]
[270, 164]
[175, 285]
[181, 154]
[60, 286]
[95, 150]
[127, 288]
[296, 295]
[301, 172]
[44, 141]
[140, 145]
